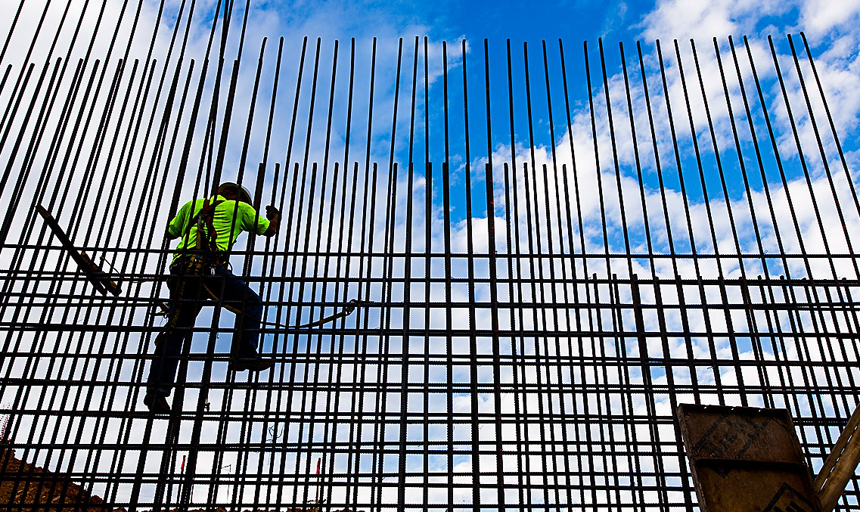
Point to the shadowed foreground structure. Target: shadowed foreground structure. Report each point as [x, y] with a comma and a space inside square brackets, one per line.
[534, 292]
[22, 486]
[28, 488]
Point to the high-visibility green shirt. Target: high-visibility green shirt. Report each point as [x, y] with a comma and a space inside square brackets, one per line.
[244, 215]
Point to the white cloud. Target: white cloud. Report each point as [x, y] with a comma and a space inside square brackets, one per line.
[686, 19]
[838, 68]
[818, 17]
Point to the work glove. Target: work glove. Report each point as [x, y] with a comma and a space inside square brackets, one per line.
[272, 212]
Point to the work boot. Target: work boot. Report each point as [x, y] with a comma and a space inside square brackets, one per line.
[156, 402]
[254, 365]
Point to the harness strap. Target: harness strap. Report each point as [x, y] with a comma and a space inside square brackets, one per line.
[205, 226]
[346, 311]
[350, 307]
[205, 253]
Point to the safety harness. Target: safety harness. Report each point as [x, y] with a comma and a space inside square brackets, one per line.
[205, 256]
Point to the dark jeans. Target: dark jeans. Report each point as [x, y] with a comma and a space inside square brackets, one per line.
[188, 294]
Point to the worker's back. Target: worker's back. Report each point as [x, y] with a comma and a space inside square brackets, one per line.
[229, 219]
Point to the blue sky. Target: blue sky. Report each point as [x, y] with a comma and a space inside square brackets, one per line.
[831, 29]
[570, 20]
[450, 19]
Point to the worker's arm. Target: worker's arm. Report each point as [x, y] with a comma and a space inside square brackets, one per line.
[274, 217]
[176, 226]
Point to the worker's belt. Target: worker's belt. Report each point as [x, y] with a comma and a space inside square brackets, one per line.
[196, 264]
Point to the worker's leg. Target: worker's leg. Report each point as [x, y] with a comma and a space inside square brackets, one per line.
[184, 307]
[237, 295]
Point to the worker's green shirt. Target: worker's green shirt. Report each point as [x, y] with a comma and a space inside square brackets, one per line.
[244, 215]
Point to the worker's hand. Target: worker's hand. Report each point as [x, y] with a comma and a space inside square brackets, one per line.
[272, 212]
[274, 217]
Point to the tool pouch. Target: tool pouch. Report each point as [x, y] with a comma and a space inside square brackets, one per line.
[195, 265]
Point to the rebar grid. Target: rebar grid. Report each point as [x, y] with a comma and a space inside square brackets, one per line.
[518, 344]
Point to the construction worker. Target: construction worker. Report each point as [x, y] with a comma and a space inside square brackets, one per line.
[199, 272]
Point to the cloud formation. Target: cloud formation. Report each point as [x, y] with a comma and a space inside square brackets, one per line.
[604, 190]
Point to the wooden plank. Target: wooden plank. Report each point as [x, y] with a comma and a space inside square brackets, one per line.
[94, 274]
[746, 460]
[839, 467]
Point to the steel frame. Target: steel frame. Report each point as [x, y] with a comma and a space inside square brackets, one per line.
[523, 349]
